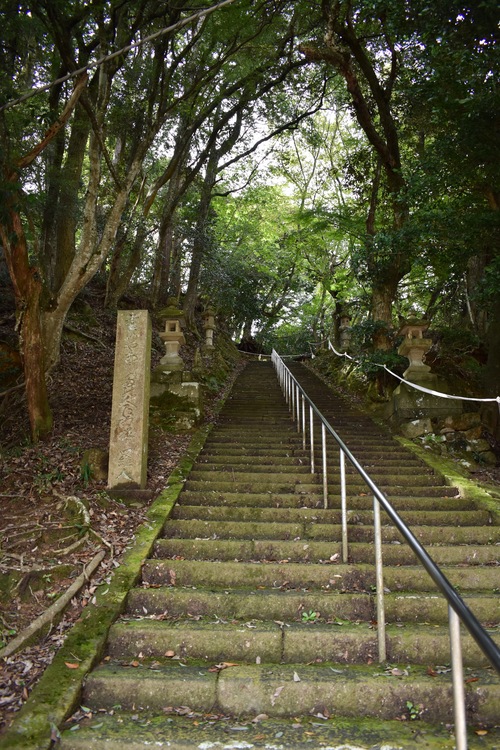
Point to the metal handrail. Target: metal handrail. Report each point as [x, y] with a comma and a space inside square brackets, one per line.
[456, 606]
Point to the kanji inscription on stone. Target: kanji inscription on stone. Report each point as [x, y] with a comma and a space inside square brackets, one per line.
[128, 447]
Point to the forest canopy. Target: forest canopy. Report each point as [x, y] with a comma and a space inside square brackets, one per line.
[289, 162]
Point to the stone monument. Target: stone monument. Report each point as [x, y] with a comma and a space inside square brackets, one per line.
[128, 448]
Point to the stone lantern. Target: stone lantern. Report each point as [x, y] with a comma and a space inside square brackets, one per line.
[414, 347]
[172, 336]
[413, 404]
[209, 327]
[345, 332]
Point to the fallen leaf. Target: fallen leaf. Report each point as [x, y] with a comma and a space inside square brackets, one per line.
[70, 665]
[296, 677]
[481, 732]
[396, 672]
[170, 653]
[260, 717]
[222, 665]
[276, 695]
[471, 679]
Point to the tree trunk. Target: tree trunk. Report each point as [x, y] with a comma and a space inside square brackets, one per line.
[201, 240]
[67, 209]
[492, 372]
[27, 289]
[383, 295]
[122, 268]
[27, 280]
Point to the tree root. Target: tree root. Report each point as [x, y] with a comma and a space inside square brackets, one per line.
[88, 336]
[48, 616]
[71, 547]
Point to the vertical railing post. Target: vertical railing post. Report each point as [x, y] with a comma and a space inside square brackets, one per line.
[297, 406]
[343, 505]
[311, 436]
[325, 478]
[382, 655]
[457, 671]
[303, 422]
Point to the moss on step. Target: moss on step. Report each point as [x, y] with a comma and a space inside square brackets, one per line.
[179, 733]
[468, 488]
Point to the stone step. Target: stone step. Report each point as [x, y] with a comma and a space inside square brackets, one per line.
[288, 576]
[301, 465]
[258, 513]
[275, 439]
[287, 690]
[394, 455]
[314, 529]
[341, 642]
[306, 499]
[288, 606]
[315, 551]
[139, 729]
[284, 483]
[302, 473]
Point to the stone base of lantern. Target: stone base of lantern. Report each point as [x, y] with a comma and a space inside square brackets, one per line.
[176, 399]
[410, 403]
[170, 363]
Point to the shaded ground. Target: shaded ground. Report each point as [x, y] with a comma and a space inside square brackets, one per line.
[54, 517]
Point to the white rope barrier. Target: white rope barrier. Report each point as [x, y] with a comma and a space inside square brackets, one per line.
[414, 385]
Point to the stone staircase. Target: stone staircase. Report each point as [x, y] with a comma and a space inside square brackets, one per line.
[247, 630]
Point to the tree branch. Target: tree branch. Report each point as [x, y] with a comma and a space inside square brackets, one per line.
[56, 127]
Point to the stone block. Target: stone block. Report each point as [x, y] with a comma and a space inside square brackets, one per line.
[479, 446]
[94, 464]
[410, 403]
[462, 422]
[416, 428]
[474, 433]
[128, 447]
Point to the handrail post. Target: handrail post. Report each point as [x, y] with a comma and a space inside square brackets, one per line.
[382, 654]
[297, 406]
[343, 504]
[303, 423]
[311, 436]
[325, 479]
[457, 672]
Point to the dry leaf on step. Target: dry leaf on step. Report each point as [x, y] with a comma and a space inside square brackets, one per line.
[276, 695]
